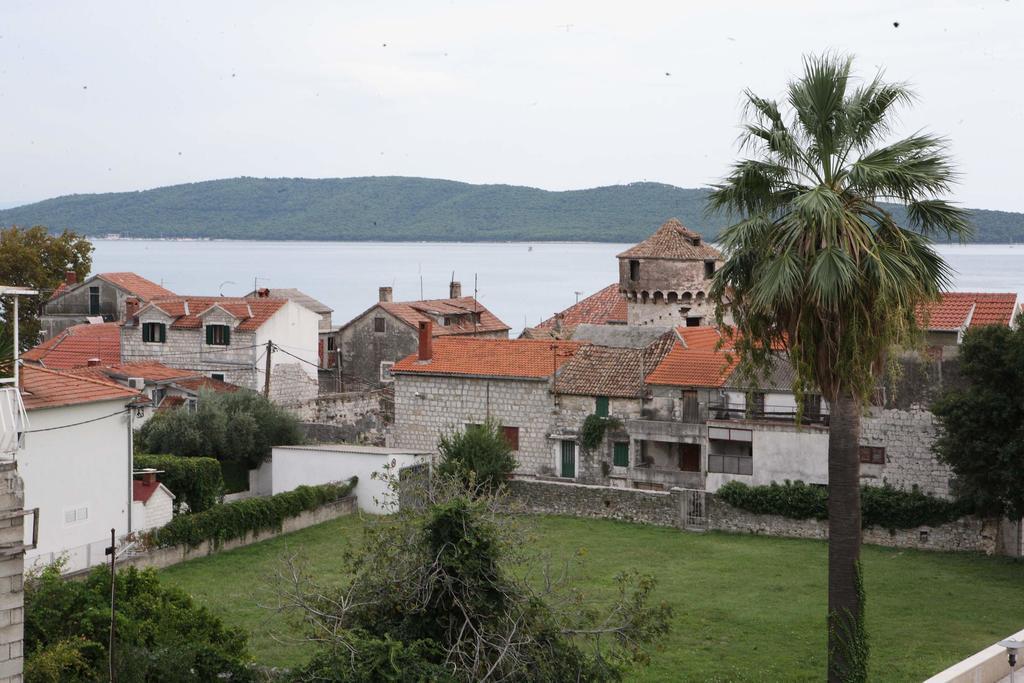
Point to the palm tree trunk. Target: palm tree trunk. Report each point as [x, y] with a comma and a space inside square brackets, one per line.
[847, 647]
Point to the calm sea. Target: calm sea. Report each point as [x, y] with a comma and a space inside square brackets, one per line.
[521, 283]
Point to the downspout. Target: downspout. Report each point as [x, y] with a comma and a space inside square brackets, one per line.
[131, 463]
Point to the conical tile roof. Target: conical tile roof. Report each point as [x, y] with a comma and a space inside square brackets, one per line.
[673, 240]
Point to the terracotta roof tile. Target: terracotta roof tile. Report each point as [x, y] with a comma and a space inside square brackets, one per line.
[142, 492]
[44, 388]
[693, 368]
[186, 310]
[617, 372]
[459, 311]
[151, 371]
[76, 345]
[954, 309]
[136, 284]
[673, 240]
[471, 356]
[170, 403]
[199, 383]
[606, 307]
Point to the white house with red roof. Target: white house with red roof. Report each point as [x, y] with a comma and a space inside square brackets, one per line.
[76, 464]
[152, 502]
[100, 298]
[228, 339]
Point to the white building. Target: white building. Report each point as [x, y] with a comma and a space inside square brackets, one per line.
[76, 464]
[152, 502]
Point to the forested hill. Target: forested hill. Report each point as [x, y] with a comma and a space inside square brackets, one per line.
[396, 208]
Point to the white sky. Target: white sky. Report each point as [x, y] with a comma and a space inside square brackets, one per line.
[110, 96]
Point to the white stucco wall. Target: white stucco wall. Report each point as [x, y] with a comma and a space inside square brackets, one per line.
[83, 467]
[293, 466]
[780, 452]
[155, 512]
[296, 330]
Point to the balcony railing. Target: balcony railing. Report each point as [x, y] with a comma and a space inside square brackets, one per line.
[667, 476]
[724, 412]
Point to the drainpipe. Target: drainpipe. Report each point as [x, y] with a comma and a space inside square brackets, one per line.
[131, 463]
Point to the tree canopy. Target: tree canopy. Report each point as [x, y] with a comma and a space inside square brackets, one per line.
[479, 454]
[981, 422]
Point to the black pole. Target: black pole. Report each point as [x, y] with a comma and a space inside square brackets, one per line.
[110, 647]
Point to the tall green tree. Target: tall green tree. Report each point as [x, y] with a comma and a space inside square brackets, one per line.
[816, 266]
[34, 258]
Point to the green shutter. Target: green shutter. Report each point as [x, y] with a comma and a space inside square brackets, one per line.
[569, 459]
[163, 332]
[602, 406]
[209, 334]
[227, 335]
[621, 457]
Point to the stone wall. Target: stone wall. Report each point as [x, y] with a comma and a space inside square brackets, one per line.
[907, 436]
[356, 417]
[660, 508]
[290, 384]
[12, 566]
[567, 423]
[428, 406]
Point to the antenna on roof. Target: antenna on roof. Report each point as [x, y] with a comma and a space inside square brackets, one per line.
[255, 281]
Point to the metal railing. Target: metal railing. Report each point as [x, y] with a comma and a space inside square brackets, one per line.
[721, 411]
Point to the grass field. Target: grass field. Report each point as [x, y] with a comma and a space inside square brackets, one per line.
[747, 608]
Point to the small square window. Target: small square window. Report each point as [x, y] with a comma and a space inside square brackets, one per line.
[330, 343]
[872, 455]
[693, 321]
[219, 376]
[380, 324]
[385, 371]
[709, 270]
[634, 270]
[511, 435]
[154, 333]
[218, 335]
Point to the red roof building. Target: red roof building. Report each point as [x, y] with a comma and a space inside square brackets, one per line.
[187, 311]
[500, 358]
[76, 346]
[959, 310]
[605, 307]
[45, 388]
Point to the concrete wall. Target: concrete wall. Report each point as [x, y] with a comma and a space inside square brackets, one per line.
[82, 468]
[12, 596]
[779, 452]
[426, 407]
[991, 665]
[294, 466]
[660, 508]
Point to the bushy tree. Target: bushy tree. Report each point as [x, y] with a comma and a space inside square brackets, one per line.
[240, 426]
[34, 258]
[161, 634]
[981, 423]
[480, 453]
[437, 594]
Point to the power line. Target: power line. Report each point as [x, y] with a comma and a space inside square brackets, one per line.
[76, 424]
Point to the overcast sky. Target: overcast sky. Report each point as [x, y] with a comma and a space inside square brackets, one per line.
[112, 96]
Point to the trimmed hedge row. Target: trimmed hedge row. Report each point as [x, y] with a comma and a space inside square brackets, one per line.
[195, 481]
[234, 520]
[881, 506]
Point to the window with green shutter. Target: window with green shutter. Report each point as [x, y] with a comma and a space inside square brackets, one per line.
[621, 456]
[218, 335]
[154, 333]
[601, 409]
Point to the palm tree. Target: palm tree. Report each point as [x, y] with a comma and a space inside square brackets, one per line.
[821, 266]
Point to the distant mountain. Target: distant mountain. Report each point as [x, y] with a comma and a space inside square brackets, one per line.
[398, 209]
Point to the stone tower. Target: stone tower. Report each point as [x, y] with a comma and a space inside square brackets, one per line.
[666, 278]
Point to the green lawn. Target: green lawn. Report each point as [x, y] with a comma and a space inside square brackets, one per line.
[746, 607]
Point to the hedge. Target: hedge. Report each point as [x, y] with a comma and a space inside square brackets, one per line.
[234, 520]
[881, 506]
[195, 481]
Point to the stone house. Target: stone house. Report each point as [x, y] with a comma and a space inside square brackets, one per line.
[454, 381]
[666, 278]
[325, 348]
[100, 297]
[369, 345]
[228, 339]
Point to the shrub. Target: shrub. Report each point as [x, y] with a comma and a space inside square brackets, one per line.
[480, 453]
[594, 428]
[240, 426]
[234, 520]
[195, 481]
[162, 635]
[881, 506]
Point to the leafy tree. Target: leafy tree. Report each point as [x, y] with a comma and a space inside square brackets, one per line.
[981, 423]
[436, 594]
[240, 426]
[817, 266]
[161, 635]
[480, 453]
[35, 258]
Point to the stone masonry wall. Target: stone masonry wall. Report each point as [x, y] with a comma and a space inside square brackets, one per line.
[290, 385]
[568, 422]
[907, 436]
[426, 407]
[358, 417]
[660, 508]
[12, 597]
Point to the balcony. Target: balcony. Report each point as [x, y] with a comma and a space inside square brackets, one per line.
[721, 411]
[667, 477]
[660, 430]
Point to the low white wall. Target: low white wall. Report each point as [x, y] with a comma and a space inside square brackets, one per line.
[294, 466]
[991, 665]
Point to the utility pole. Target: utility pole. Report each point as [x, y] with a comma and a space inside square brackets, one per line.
[110, 647]
[266, 369]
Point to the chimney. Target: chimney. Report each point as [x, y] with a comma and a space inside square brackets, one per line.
[70, 277]
[148, 476]
[131, 309]
[263, 293]
[92, 362]
[454, 290]
[426, 349]
[385, 295]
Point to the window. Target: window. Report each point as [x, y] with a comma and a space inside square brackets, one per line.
[620, 457]
[601, 406]
[872, 455]
[158, 396]
[695, 241]
[380, 324]
[330, 343]
[218, 335]
[730, 451]
[219, 376]
[94, 301]
[154, 333]
[73, 515]
[634, 270]
[385, 371]
[511, 435]
[709, 270]
[693, 321]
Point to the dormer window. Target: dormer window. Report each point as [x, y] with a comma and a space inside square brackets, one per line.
[218, 335]
[695, 241]
[154, 333]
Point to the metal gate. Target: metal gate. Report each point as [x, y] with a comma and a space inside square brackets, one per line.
[694, 511]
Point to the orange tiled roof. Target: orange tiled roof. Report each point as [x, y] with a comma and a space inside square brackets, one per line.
[673, 240]
[186, 310]
[44, 388]
[618, 372]
[197, 384]
[73, 347]
[703, 338]
[953, 308]
[688, 367]
[459, 311]
[133, 283]
[474, 357]
[151, 371]
[607, 306]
